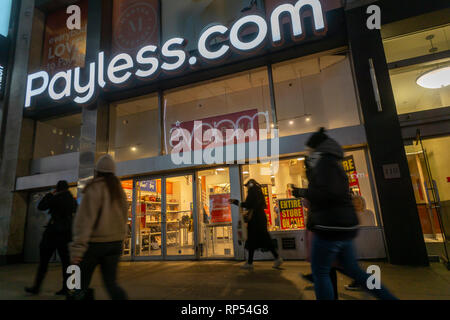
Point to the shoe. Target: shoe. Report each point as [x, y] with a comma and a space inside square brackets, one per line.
[32, 290]
[61, 292]
[353, 286]
[247, 266]
[307, 277]
[277, 263]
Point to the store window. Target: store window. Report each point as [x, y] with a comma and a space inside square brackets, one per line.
[135, 129]
[315, 92]
[127, 186]
[420, 73]
[284, 212]
[188, 18]
[215, 229]
[238, 101]
[57, 136]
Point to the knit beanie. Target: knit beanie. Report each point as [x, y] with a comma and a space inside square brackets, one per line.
[106, 164]
[317, 138]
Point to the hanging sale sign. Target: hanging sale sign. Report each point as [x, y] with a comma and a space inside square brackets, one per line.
[220, 208]
[291, 214]
[265, 191]
[63, 48]
[350, 169]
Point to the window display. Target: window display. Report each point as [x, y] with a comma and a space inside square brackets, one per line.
[284, 212]
[127, 186]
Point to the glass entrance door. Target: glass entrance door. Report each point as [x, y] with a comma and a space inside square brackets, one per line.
[179, 220]
[148, 219]
[215, 228]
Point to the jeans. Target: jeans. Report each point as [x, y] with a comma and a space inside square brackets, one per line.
[50, 243]
[107, 255]
[324, 254]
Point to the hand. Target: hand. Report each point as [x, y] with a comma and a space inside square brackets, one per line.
[76, 260]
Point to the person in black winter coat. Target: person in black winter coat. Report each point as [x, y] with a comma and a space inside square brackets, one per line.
[331, 217]
[61, 206]
[257, 234]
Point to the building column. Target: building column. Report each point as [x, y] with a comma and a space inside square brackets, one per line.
[17, 144]
[95, 117]
[403, 232]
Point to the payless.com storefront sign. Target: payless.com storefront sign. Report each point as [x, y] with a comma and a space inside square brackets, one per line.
[150, 61]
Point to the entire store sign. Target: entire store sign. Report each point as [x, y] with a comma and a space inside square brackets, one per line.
[350, 169]
[150, 61]
[291, 214]
[265, 191]
[220, 208]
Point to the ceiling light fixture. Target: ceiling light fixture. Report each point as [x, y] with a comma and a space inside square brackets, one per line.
[435, 79]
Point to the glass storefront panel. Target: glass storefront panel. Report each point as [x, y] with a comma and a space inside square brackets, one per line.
[180, 238]
[135, 129]
[215, 229]
[148, 220]
[238, 101]
[428, 165]
[285, 214]
[127, 186]
[188, 18]
[57, 136]
[314, 92]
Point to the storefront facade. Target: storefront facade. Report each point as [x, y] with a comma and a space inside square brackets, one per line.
[286, 67]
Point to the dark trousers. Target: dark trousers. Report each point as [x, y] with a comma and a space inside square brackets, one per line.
[107, 255]
[324, 254]
[50, 243]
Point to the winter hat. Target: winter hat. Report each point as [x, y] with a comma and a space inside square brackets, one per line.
[106, 164]
[317, 138]
[62, 186]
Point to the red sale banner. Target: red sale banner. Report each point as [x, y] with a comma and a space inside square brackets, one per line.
[265, 190]
[244, 120]
[349, 166]
[220, 208]
[291, 214]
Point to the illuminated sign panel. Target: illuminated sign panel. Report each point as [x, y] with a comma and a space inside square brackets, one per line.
[149, 62]
[5, 14]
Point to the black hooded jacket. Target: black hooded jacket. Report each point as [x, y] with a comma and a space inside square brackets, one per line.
[61, 206]
[331, 214]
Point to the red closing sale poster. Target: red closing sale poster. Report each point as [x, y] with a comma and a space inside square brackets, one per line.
[349, 166]
[265, 190]
[291, 214]
[220, 208]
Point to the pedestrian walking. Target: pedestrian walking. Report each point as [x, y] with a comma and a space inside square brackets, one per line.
[100, 228]
[332, 217]
[258, 236]
[61, 206]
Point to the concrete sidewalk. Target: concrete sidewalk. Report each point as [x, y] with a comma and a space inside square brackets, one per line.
[216, 280]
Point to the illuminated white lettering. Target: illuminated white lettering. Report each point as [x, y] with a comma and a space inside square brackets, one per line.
[153, 61]
[114, 67]
[261, 34]
[295, 14]
[89, 87]
[35, 92]
[67, 77]
[202, 43]
[180, 54]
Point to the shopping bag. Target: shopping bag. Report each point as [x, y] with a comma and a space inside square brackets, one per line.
[242, 227]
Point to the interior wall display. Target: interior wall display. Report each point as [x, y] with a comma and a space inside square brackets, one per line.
[220, 208]
[268, 211]
[243, 120]
[350, 168]
[63, 48]
[135, 25]
[291, 214]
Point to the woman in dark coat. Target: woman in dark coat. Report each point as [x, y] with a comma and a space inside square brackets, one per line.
[257, 235]
[61, 206]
